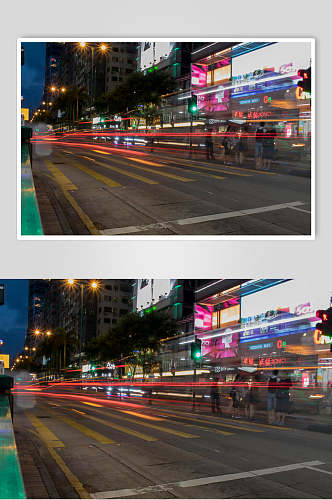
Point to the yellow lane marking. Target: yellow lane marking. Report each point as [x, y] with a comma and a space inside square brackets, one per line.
[49, 438]
[86, 430]
[141, 415]
[166, 165]
[250, 170]
[80, 412]
[61, 179]
[82, 215]
[152, 426]
[101, 152]
[216, 169]
[216, 423]
[268, 426]
[73, 480]
[164, 174]
[152, 163]
[91, 404]
[224, 433]
[121, 428]
[99, 177]
[124, 172]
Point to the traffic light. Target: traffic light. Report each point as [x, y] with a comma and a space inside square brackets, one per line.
[325, 327]
[192, 104]
[196, 353]
[304, 85]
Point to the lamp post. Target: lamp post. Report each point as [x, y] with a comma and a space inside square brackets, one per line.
[57, 91]
[102, 49]
[92, 285]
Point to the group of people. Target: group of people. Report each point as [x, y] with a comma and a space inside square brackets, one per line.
[237, 143]
[247, 394]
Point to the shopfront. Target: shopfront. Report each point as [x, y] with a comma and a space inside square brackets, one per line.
[240, 88]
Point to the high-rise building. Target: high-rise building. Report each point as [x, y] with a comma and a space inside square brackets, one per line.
[53, 76]
[36, 308]
[114, 301]
[120, 61]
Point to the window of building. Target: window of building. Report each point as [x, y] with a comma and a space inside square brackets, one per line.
[107, 309]
[115, 59]
[128, 70]
[115, 49]
[115, 69]
[114, 78]
[124, 300]
[129, 61]
[123, 311]
[108, 287]
[107, 320]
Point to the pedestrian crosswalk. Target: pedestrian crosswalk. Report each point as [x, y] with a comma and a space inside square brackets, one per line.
[114, 424]
[126, 167]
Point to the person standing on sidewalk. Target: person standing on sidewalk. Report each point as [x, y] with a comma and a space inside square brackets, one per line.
[261, 130]
[215, 397]
[283, 399]
[209, 145]
[271, 396]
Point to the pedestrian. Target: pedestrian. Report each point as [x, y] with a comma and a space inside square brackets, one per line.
[242, 146]
[268, 149]
[252, 398]
[283, 399]
[260, 132]
[235, 395]
[209, 145]
[271, 396]
[215, 397]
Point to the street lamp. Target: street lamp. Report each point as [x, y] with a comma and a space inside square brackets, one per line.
[92, 285]
[102, 48]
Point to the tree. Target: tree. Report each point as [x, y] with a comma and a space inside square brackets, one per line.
[71, 103]
[140, 94]
[135, 337]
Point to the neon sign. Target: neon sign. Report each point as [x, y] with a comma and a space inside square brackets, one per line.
[267, 99]
[321, 339]
[272, 362]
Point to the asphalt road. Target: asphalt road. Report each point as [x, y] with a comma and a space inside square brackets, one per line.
[79, 445]
[92, 189]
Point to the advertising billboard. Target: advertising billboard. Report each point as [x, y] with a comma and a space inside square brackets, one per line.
[280, 57]
[151, 290]
[153, 53]
[225, 346]
[5, 359]
[203, 317]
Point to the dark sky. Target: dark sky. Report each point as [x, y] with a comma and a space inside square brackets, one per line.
[33, 74]
[14, 316]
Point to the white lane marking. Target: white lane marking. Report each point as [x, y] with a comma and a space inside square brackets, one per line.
[237, 213]
[320, 470]
[205, 480]
[301, 210]
[203, 218]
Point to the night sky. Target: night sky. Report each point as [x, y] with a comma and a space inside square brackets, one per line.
[14, 316]
[33, 74]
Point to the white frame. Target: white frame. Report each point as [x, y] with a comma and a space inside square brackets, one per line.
[170, 237]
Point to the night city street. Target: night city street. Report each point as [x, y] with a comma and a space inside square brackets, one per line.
[156, 388]
[157, 138]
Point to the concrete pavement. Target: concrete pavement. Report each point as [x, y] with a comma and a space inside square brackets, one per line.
[96, 190]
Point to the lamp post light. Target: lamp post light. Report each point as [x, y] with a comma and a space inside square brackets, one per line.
[91, 285]
[102, 49]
